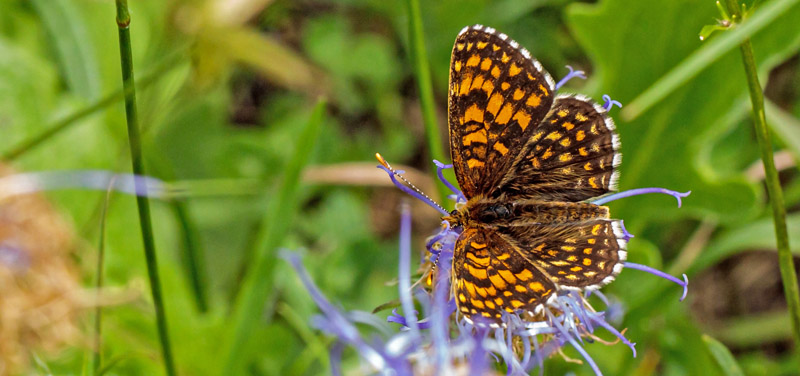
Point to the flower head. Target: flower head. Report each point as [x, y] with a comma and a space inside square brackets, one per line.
[440, 340]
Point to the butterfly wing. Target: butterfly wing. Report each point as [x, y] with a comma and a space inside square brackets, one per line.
[524, 152]
[583, 249]
[572, 155]
[490, 276]
[498, 95]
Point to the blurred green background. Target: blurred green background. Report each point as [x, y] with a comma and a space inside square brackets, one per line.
[225, 93]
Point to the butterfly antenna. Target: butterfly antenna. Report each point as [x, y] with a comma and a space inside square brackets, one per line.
[408, 183]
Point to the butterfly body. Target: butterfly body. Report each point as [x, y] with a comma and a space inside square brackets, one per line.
[527, 161]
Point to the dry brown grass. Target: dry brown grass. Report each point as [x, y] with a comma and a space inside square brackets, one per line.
[39, 285]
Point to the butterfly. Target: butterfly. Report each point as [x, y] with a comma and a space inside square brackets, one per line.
[528, 161]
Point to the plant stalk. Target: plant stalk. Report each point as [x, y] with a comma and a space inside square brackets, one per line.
[785, 261]
[419, 57]
[142, 202]
[97, 356]
[195, 267]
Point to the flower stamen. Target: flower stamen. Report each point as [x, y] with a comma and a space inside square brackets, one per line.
[641, 191]
[610, 102]
[656, 272]
[441, 167]
[572, 74]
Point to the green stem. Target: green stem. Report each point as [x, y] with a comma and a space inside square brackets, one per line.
[192, 255]
[98, 315]
[66, 122]
[785, 261]
[419, 56]
[192, 260]
[142, 202]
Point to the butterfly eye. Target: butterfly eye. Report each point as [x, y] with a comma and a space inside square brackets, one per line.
[494, 212]
[502, 211]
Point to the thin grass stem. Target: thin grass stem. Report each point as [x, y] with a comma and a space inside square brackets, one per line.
[192, 254]
[134, 139]
[785, 261]
[316, 347]
[419, 57]
[97, 351]
[196, 269]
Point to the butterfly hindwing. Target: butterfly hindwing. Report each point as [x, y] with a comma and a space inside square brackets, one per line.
[572, 155]
[490, 276]
[586, 254]
[498, 94]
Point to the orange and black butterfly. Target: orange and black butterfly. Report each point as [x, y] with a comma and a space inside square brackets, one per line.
[527, 161]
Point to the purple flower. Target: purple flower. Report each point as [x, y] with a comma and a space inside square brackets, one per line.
[31, 182]
[438, 340]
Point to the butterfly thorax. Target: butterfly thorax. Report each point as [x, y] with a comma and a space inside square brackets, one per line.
[480, 211]
[499, 212]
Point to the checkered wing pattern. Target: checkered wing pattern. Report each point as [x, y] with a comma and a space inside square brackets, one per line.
[572, 155]
[498, 95]
[492, 276]
[574, 255]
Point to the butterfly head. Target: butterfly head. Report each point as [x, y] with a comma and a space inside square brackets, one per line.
[457, 218]
[481, 211]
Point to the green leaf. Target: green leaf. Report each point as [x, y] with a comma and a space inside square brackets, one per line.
[755, 329]
[661, 148]
[705, 56]
[67, 29]
[723, 356]
[751, 236]
[786, 126]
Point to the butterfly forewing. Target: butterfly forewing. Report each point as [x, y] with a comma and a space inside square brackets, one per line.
[498, 95]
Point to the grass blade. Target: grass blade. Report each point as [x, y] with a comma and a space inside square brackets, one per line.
[723, 356]
[705, 56]
[66, 122]
[68, 32]
[316, 348]
[97, 354]
[196, 271]
[256, 284]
